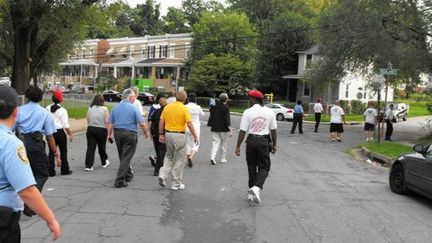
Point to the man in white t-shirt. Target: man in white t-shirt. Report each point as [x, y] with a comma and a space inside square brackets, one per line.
[370, 116]
[337, 119]
[137, 103]
[259, 122]
[318, 109]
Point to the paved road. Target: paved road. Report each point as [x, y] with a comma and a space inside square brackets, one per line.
[316, 192]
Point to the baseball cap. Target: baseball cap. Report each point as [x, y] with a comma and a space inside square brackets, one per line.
[58, 95]
[8, 96]
[255, 94]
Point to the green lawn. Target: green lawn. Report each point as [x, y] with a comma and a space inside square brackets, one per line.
[416, 108]
[326, 118]
[389, 149]
[76, 109]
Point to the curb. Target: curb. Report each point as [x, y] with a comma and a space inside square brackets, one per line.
[386, 161]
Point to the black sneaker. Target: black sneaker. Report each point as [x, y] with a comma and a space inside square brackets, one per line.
[67, 173]
[190, 163]
[120, 184]
[152, 160]
[52, 173]
[129, 178]
[339, 140]
[212, 161]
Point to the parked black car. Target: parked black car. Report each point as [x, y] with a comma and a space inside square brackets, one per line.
[111, 96]
[145, 98]
[413, 172]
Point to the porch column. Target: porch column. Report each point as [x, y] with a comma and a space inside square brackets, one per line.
[133, 72]
[81, 74]
[153, 72]
[177, 77]
[115, 71]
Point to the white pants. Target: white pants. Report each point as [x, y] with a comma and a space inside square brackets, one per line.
[190, 144]
[219, 141]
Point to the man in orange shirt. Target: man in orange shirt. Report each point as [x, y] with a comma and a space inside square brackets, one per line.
[172, 127]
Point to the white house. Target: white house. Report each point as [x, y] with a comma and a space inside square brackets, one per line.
[354, 86]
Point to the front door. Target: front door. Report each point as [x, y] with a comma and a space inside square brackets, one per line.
[292, 90]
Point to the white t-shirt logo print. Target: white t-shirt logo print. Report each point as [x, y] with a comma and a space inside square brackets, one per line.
[258, 124]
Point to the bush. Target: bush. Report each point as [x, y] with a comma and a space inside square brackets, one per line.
[345, 106]
[357, 107]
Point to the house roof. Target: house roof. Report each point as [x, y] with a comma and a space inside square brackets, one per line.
[313, 50]
[159, 62]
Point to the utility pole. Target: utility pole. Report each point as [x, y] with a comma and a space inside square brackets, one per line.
[386, 71]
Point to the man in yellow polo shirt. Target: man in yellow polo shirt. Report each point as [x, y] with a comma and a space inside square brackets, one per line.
[172, 127]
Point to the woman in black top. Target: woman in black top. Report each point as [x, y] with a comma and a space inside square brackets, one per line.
[154, 129]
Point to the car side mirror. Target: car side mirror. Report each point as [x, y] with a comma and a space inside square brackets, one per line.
[419, 148]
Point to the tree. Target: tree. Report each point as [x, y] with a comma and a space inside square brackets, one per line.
[278, 45]
[37, 31]
[193, 10]
[229, 33]
[175, 21]
[365, 35]
[226, 73]
[147, 19]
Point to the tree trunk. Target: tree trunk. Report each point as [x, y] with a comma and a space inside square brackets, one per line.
[21, 59]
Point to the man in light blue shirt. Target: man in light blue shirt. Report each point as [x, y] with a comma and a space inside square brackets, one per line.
[33, 122]
[124, 120]
[298, 117]
[16, 179]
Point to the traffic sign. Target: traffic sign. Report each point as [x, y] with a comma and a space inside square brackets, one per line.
[385, 71]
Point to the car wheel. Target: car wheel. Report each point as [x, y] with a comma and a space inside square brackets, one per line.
[397, 179]
[280, 117]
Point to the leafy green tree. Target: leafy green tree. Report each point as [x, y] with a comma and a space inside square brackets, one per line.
[280, 41]
[39, 33]
[175, 21]
[229, 33]
[193, 10]
[226, 73]
[147, 19]
[361, 35]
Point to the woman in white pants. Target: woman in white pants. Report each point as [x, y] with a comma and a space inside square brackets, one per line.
[220, 123]
[195, 112]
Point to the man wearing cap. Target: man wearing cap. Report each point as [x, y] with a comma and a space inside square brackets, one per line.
[124, 120]
[172, 127]
[259, 122]
[17, 183]
[33, 122]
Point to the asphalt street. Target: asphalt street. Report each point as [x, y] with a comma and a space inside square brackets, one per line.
[316, 192]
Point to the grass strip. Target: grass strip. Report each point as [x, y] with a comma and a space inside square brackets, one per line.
[388, 149]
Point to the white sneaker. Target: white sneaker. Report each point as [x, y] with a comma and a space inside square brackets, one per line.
[223, 161]
[255, 192]
[179, 187]
[162, 182]
[89, 169]
[106, 164]
[250, 197]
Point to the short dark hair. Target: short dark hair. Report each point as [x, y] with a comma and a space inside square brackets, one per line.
[98, 100]
[192, 97]
[8, 101]
[34, 93]
[299, 102]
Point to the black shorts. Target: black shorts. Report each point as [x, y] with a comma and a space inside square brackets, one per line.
[369, 127]
[336, 127]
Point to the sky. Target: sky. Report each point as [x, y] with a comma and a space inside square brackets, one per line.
[165, 4]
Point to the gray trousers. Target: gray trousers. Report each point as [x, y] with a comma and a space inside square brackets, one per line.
[175, 157]
[126, 142]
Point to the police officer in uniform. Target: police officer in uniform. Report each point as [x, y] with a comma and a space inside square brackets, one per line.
[17, 183]
[33, 122]
[259, 122]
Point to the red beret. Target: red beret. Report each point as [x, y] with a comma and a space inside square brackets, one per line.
[58, 95]
[255, 94]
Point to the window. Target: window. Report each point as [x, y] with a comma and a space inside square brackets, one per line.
[92, 53]
[76, 54]
[163, 51]
[308, 60]
[306, 89]
[172, 51]
[151, 51]
[187, 50]
[347, 91]
[143, 52]
[83, 51]
[132, 52]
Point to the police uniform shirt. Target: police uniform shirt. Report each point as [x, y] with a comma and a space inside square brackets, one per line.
[34, 118]
[258, 120]
[370, 115]
[15, 171]
[126, 116]
[389, 114]
[298, 109]
[336, 113]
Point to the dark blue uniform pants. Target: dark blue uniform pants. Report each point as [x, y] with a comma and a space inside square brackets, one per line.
[10, 231]
[297, 119]
[258, 160]
[160, 149]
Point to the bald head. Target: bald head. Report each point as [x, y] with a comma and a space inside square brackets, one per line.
[181, 96]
